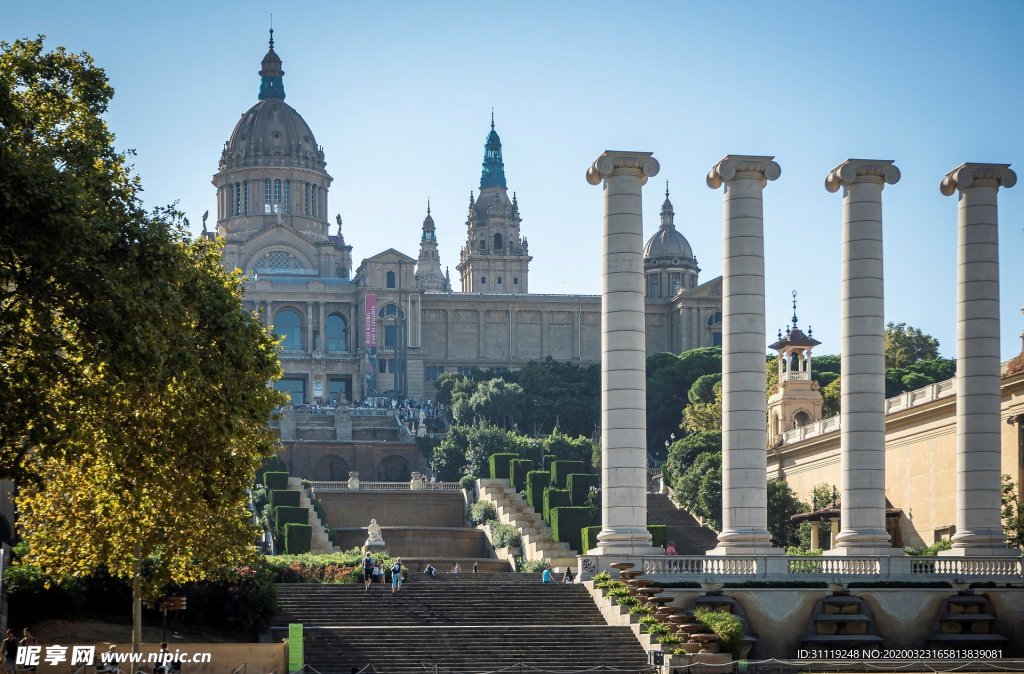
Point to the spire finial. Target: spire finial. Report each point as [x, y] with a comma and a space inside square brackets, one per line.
[271, 31]
[492, 118]
[794, 308]
[666, 189]
[428, 205]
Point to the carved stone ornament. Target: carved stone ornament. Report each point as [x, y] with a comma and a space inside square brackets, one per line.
[612, 162]
[733, 164]
[862, 171]
[373, 533]
[966, 175]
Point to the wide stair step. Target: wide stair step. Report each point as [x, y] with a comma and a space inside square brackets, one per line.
[681, 527]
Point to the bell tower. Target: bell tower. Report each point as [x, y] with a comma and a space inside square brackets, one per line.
[796, 401]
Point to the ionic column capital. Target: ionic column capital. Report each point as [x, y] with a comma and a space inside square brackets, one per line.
[879, 171]
[733, 164]
[612, 162]
[970, 174]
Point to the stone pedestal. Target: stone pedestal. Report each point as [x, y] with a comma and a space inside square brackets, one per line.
[353, 481]
[862, 424]
[623, 354]
[978, 453]
[373, 547]
[744, 451]
[343, 422]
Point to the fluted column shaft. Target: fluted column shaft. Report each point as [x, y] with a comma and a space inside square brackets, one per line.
[623, 354]
[744, 451]
[978, 451]
[862, 329]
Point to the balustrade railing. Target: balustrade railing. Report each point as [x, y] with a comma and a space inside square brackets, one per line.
[324, 487]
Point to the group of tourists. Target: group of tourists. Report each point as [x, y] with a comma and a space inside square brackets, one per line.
[11, 643]
[374, 572]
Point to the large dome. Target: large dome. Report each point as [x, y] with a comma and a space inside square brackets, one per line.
[269, 132]
[272, 133]
[668, 243]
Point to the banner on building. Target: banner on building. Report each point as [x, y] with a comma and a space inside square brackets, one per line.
[370, 321]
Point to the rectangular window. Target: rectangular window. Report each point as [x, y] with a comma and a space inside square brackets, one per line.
[288, 196]
[295, 387]
[245, 198]
[313, 209]
[305, 194]
[337, 389]
[675, 281]
[231, 200]
[266, 197]
[515, 280]
[499, 280]
[382, 366]
[238, 199]
[483, 279]
[431, 372]
[390, 336]
[277, 195]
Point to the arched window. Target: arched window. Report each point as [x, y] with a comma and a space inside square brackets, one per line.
[497, 242]
[279, 262]
[288, 324]
[390, 310]
[801, 419]
[390, 279]
[483, 244]
[715, 318]
[337, 333]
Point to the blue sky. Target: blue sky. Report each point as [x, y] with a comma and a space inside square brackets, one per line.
[400, 94]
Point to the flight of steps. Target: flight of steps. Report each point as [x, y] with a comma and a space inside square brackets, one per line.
[536, 534]
[321, 542]
[464, 623]
[689, 536]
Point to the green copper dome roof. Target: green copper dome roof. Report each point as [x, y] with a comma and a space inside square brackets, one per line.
[493, 174]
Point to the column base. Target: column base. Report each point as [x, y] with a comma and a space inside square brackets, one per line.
[745, 542]
[625, 541]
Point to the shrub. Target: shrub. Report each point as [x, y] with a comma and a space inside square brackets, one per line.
[338, 567]
[725, 625]
[275, 479]
[288, 514]
[517, 471]
[298, 538]
[567, 523]
[640, 609]
[548, 458]
[560, 471]
[601, 579]
[499, 464]
[646, 619]
[798, 551]
[482, 511]
[536, 482]
[579, 485]
[504, 535]
[554, 498]
[467, 482]
[284, 497]
[659, 535]
[588, 538]
[530, 565]
[931, 551]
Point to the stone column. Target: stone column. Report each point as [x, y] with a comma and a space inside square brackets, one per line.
[744, 446]
[323, 327]
[978, 525]
[623, 354]
[862, 329]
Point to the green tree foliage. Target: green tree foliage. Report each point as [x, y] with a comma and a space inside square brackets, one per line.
[704, 417]
[133, 385]
[566, 448]
[822, 495]
[699, 488]
[493, 400]
[703, 389]
[669, 379]
[783, 504]
[831, 396]
[905, 344]
[465, 449]
[682, 453]
[1013, 514]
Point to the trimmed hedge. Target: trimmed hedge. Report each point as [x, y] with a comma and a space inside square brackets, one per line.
[275, 479]
[579, 485]
[659, 535]
[554, 498]
[536, 482]
[284, 515]
[284, 497]
[560, 471]
[588, 536]
[298, 538]
[548, 459]
[499, 464]
[517, 471]
[567, 524]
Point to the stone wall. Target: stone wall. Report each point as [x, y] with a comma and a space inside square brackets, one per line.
[332, 461]
[421, 542]
[405, 509]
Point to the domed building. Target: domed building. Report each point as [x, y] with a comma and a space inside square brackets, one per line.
[390, 325]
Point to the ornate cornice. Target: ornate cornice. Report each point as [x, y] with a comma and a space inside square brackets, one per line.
[733, 164]
[615, 161]
[862, 171]
[968, 174]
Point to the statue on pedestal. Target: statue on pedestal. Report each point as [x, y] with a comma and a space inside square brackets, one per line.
[374, 538]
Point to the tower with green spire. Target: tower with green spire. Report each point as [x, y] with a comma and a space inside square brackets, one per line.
[496, 256]
[271, 74]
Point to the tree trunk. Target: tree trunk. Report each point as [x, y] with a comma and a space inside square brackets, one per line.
[137, 601]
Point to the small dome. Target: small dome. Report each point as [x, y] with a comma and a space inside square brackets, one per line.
[668, 243]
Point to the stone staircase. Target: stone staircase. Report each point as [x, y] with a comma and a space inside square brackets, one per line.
[321, 542]
[536, 534]
[465, 623]
[690, 537]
